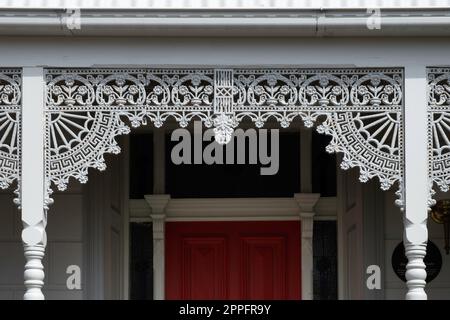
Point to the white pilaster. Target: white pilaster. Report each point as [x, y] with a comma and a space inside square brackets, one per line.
[158, 204]
[307, 202]
[34, 215]
[415, 234]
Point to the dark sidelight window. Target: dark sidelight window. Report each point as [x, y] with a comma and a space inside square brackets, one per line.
[236, 180]
[325, 260]
[323, 166]
[141, 261]
[141, 165]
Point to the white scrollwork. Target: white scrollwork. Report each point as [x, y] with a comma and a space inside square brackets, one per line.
[10, 126]
[367, 142]
[323, 90]
[439, 129]
[86, 109]
[361, 109]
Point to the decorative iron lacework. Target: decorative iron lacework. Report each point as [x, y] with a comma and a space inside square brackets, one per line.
[360, 108]
[439, 129]
[10, 125]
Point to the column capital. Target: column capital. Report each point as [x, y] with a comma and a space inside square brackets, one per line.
[158, 204]
[306, 203]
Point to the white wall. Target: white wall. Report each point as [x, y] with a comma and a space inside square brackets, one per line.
[350, 236]
[65, 245]
[106, 227]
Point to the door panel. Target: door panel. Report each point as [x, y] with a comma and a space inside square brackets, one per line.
[200, 256]
[263, 268]
[233, 260]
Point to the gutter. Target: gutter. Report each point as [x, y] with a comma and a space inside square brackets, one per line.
[226, 22]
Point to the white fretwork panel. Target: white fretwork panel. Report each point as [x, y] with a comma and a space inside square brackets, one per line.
[86, 109]
[10, 125]
[439, 128]
[361, 109]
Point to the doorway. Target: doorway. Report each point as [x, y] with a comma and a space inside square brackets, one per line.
[242, 260]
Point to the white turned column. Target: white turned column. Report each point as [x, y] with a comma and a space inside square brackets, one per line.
[306, 203]
[415, 234]
[32, 187]
[158, 204]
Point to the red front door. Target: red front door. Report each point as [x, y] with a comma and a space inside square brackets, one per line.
[233, 260]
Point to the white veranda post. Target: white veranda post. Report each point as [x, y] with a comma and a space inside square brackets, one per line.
[32, 186]
[416, 180]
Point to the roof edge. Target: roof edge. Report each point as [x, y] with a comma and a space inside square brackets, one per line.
[226, 22]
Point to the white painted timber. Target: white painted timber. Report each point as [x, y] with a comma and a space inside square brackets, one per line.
[158, 204]
[415, 234]
[307, 202]
[32, 183]
[232, 209]
[249, 52]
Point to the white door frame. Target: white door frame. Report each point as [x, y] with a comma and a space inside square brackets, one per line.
[162, 208]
